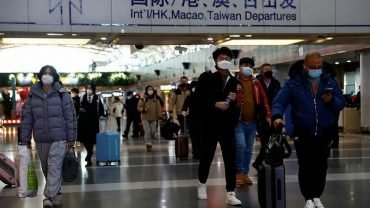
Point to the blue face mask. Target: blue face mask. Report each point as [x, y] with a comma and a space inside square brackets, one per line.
[247, 71]
[314, 73]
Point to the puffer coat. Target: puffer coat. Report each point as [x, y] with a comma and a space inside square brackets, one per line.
[49, 116]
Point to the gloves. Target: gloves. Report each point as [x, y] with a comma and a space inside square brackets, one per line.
[183, 113]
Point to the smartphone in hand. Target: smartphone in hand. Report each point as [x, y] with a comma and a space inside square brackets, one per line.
[328, 90]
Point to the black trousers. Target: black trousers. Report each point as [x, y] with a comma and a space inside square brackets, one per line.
[181, 118]
[264, 139]
[210, 138]
[312, 154]
[195, 136]
[135, 125]
[90, 150]
[118, 119]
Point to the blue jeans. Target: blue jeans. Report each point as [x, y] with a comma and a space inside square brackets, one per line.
[245, 133]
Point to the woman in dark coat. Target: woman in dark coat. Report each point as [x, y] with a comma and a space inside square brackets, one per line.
[88, 122]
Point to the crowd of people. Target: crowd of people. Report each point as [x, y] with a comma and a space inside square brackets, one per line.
[220, 107]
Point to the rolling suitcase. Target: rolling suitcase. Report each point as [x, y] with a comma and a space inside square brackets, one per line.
[7, 170]
[271, 175]
[108, 148]
[182, 144]
[271, 187]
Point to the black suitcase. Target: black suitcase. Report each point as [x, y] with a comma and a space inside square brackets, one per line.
[271, 187]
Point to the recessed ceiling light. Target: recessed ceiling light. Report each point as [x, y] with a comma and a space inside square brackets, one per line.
[50, 41]
[103, 38]
[210, 39]
[262, 42]
[74, 34]
[349, 61]
[234, 36]
[2, 33]
[329, 38]
[54, 34]
[248, 36]
[337, 62]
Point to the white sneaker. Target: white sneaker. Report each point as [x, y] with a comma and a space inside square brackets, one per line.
[317, 203]
[309, 204]
[202, 191]
[232, 200]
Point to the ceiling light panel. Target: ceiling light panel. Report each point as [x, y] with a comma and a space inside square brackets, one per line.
[261, 41]
[50, 41]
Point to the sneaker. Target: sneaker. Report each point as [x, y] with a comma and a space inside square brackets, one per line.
[202, 191]
[247, 180]
[239, 179]
[309, 204]
[232, 200]
[57, 200]
[317, 203]
[47, 203]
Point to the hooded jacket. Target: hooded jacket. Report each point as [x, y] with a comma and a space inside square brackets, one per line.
[49, 116]
[310, 115]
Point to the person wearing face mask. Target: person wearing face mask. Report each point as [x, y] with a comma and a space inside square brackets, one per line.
[177, 99]
[315, 98]
[191, 108]
[271, 87]
[91, 109]
[49, 117]
[150, 108]
[76, 100]
[133, 116]
[215, 94]
[254, 114]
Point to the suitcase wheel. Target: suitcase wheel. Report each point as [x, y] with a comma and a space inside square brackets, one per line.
[97, 163]
[119, 162]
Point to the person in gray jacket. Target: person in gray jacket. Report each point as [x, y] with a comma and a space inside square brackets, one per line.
[49, 114]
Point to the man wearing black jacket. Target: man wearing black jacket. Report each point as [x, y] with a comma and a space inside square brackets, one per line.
[272, 87]
[133, 116]
[216, 92]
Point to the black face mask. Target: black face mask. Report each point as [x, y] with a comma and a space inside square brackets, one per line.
[267, 74]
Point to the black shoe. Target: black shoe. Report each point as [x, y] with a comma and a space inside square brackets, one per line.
[196, 157]
[124, 136]
[135, 136]
[88, 164]
[148, 147]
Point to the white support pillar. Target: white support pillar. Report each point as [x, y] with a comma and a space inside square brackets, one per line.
[365, 89]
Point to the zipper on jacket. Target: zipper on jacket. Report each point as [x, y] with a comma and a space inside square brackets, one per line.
[315, 105]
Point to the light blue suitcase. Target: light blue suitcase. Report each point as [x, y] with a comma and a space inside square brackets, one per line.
[108, 148]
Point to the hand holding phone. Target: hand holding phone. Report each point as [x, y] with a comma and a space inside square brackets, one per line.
[327, 96]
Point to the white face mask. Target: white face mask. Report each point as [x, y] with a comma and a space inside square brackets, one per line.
[73, 95]
[47, 79]
[129, 97]
[247, 71]
[224, 64]
[150, 92]
[89, 92]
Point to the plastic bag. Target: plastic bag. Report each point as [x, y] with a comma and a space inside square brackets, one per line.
[27, 183]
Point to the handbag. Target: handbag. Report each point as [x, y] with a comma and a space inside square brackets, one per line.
[277, 149]
[70, 166]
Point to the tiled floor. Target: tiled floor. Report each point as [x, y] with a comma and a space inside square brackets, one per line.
[157, 179]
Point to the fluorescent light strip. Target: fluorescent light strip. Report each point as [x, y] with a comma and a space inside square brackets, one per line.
[54, 34]
[261, 42]
[50, 41]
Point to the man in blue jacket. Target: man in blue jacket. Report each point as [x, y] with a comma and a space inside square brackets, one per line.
[315, 98]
